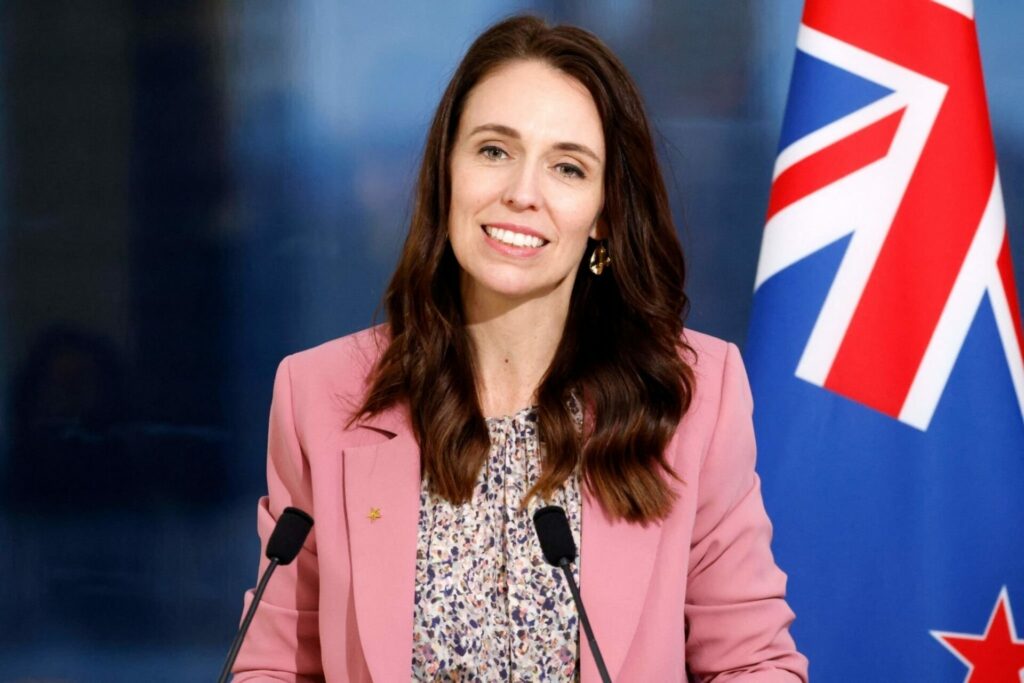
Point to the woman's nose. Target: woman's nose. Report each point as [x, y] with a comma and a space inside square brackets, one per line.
[523, 189]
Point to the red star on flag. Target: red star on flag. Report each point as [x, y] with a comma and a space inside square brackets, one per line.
[995, 657]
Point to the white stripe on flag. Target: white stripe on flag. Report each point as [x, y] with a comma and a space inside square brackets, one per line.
[980, 266]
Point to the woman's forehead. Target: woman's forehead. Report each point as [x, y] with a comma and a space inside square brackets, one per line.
[537, 101]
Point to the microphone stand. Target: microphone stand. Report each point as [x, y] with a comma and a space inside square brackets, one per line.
[594, 650]
[237, 644]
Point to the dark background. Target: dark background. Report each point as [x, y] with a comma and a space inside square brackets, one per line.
[191, 190]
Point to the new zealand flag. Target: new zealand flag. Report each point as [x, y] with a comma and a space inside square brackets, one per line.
[885, 353]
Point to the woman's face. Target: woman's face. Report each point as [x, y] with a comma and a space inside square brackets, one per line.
[527, 170]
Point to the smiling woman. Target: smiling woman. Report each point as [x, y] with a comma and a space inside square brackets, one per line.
[534, 354]
[525, 194]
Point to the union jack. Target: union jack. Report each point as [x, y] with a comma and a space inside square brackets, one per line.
[901, 156]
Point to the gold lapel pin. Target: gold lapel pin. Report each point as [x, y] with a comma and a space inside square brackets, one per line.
[374, 514]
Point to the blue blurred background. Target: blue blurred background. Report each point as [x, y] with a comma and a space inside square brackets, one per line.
[190, 190]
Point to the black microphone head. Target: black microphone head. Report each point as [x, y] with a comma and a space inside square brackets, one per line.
[554, 534]
[290, 533]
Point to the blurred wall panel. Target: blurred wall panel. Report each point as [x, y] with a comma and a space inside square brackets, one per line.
[1001, 58]
[115, 321]
[67, 70]
[179, 191]
[5, 263]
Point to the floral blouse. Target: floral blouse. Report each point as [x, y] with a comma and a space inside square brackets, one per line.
[488, 607]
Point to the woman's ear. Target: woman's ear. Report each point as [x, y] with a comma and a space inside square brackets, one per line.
[599, 231]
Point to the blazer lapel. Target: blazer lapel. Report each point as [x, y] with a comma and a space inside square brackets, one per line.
[382, 484]
[616, 562]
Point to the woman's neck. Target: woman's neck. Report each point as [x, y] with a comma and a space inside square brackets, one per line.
[514, 343]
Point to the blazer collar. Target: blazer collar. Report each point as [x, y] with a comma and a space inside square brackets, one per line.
[394, 421]
[616, 559]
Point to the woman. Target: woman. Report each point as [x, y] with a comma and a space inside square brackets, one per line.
[534, 354]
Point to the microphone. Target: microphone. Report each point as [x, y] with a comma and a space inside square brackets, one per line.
[560, 550]
[285, 542]
[288, 536]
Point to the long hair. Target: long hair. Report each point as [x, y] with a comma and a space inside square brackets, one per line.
[622, 351]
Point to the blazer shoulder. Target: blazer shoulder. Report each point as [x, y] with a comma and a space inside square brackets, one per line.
[719, 378]
[326, 384]
[710, 356]
[339, 364]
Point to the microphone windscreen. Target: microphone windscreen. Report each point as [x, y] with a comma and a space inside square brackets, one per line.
[290, 533]
[554, 534]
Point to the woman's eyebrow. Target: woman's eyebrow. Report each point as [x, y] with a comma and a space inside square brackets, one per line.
[577, 147]
[508, 131]
[497, 128]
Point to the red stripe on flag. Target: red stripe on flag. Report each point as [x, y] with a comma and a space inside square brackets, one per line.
[939, 215]
[836, 161]
[1010, 288]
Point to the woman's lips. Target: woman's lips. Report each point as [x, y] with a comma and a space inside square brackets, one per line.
[499, 239]
[516, 230]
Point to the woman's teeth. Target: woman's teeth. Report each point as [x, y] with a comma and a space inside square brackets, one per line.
[513, 239]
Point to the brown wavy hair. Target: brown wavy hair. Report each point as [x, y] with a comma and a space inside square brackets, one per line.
[622, 349]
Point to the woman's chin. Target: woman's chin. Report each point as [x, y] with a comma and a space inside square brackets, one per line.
[510, 292]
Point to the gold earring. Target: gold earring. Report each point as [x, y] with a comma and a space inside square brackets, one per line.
[599, 259]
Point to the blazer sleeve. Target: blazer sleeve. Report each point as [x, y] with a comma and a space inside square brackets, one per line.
[283, 642]
[736, 614]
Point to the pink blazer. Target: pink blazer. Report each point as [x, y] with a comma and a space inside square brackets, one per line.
[697, 595]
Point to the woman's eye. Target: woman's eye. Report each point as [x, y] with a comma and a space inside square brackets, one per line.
[571, 171]
[492, 152]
